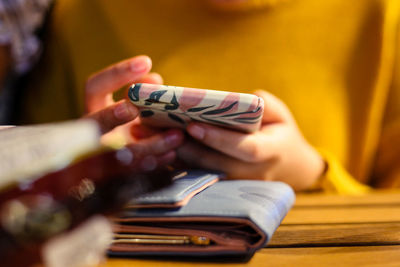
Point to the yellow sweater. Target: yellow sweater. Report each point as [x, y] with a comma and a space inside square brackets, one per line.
[333, 62]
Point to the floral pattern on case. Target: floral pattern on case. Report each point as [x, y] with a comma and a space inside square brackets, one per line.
[171, 106]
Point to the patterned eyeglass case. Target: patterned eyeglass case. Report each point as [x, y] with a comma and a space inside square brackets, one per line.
[171, 106]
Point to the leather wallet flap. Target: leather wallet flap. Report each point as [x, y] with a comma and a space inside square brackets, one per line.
[232, 216]
[186, 184]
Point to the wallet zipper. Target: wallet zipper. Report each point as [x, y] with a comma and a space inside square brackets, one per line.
[161, 239]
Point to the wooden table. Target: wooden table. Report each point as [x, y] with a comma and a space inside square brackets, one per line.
[324, 230]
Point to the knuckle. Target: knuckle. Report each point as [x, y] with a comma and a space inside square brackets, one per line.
[213, 138]
[153, 145]
[114, 71]
[158, 146]
[253, 152]
[137, 149]
[103, 120]
[203, 160]
[107, 119]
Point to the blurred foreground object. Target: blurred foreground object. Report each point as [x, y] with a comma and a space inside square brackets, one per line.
[55, 177]
[30, 151]
[19, 21]
[22, 30]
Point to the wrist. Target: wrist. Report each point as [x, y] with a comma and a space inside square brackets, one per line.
[314, 173]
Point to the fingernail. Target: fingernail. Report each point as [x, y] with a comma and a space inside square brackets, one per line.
[196, 131]
[124, 111]
[148, 163]
[172, 139]
[140, 65]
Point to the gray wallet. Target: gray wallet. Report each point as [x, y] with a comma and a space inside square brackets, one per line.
[222, 217]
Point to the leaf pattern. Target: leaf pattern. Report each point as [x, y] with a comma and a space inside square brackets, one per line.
[134, 92]
[176, 118]
[245, 114]
[174, 104]
[154, 97]
[242, 113]
[199, 108]
[146, 113]
[221, 110]
[250, 120]
[216, 121]
[242, 120]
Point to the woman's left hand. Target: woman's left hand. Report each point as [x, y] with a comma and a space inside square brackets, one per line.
[278, 151]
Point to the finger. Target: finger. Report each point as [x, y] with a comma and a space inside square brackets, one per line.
[140, 131]
[151, 162]
[158, 144]
[115, 115]
[152, 77]
[274, 109]
[167, 158]
[203, 157]
[253, 147]
[101, 84]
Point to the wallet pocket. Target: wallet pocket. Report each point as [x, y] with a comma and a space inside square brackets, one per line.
[228, 218]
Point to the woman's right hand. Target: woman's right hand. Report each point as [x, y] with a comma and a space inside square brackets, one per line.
[110, 114]
[101, 85]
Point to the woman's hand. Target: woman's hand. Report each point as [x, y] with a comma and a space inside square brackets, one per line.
[101, 86]
[278, 151]
[109, 114]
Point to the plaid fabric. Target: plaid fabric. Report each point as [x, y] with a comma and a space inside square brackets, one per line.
[19, 19]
